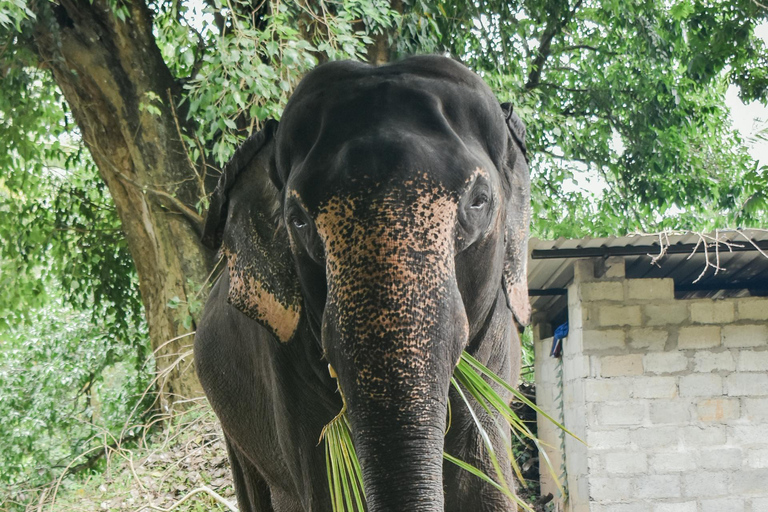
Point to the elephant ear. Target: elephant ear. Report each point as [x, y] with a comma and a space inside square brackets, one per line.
[244, 222]
[518, 219]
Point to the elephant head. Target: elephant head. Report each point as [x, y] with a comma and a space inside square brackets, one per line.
[388, 214]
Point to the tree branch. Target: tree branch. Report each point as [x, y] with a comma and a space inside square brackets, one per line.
[553, 29]
[195, 218]
[562, 88]
[583, 47]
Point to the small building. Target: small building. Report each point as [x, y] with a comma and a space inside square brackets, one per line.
[663, 373]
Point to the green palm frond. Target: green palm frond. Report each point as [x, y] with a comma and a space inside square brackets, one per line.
[345, 478]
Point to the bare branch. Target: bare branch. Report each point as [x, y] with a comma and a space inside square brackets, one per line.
[552, 30]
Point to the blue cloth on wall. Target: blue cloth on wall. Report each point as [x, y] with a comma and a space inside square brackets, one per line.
[557, 340]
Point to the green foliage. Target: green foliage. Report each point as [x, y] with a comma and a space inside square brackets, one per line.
[586, 75]
[73, 343]
[13, 13]
[345, 477]
[66, 386]
[242, 70]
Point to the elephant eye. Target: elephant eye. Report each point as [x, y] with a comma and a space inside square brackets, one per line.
[298, 222]
[479, 202]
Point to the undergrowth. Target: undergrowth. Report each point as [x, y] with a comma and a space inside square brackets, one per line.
[182, 468]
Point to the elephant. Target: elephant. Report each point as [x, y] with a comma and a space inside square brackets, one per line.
[369, 237]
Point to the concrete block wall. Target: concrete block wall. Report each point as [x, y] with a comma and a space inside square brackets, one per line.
[671, 397]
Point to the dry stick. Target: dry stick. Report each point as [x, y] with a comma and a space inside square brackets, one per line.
[757, 247]
[41, 501]
[216, 496]
[64, 473]
[185, 210]
[152, 383]
[190, 214]
[200, 177]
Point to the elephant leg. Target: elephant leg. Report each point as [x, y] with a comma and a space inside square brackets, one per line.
[464, 491]
[253, 494]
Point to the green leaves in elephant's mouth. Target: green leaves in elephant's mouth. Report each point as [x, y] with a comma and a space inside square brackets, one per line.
[470, 379]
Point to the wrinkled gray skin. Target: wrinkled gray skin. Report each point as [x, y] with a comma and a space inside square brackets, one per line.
[381, 228]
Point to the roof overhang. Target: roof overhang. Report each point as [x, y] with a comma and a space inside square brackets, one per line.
[725, 263]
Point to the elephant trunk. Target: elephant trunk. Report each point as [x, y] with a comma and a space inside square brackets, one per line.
[402, 468]
[393, 329]
[395, 376]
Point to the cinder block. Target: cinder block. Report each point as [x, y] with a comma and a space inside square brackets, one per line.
[729, 458]
[704, 361]
[665, 362]
[701, 384]
[698, 337]
[712, 312]
[575, 367]
[723, 505]
[603, 340]
[619, 366]
[753, 361]
[671, 313]
[705, 484]
[753, 308]
[610, 488]
[651, 289]
[718, 410]
[623, 507]
[607, 439]
[655, 438]
[602, 291]
[675, 412]
[672, 462]
[649, 339]
[750, 482]
[747, 384]
[758, 459]
[620, 315]
[743, 435]
[759, 504]
[613, 267]
[595, 465]
[745, 335]
[695, 436]
[588, 314]
[621, 413]
[654, 387]
[678, 506]
[755, 410]
[657, 486]
[626, 462]
[603, 390]
[584, 270]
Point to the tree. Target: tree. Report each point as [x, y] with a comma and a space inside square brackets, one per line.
[160, 93]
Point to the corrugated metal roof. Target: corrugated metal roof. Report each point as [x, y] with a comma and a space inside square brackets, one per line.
[725, 263]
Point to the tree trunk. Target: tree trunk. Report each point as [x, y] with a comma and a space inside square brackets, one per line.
[121, 94]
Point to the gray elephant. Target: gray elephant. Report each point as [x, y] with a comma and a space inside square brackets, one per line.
[379, 229]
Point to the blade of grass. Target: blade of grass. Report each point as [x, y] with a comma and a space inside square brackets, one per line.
[484, 395]
[492, 453]
[471, 371]
[477, 364]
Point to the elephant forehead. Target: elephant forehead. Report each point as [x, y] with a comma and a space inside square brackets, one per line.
[416, 215]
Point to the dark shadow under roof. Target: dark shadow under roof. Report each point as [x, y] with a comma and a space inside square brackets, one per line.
[727, 263]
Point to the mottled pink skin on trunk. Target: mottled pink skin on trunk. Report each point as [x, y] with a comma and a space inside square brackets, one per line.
[394, 326]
